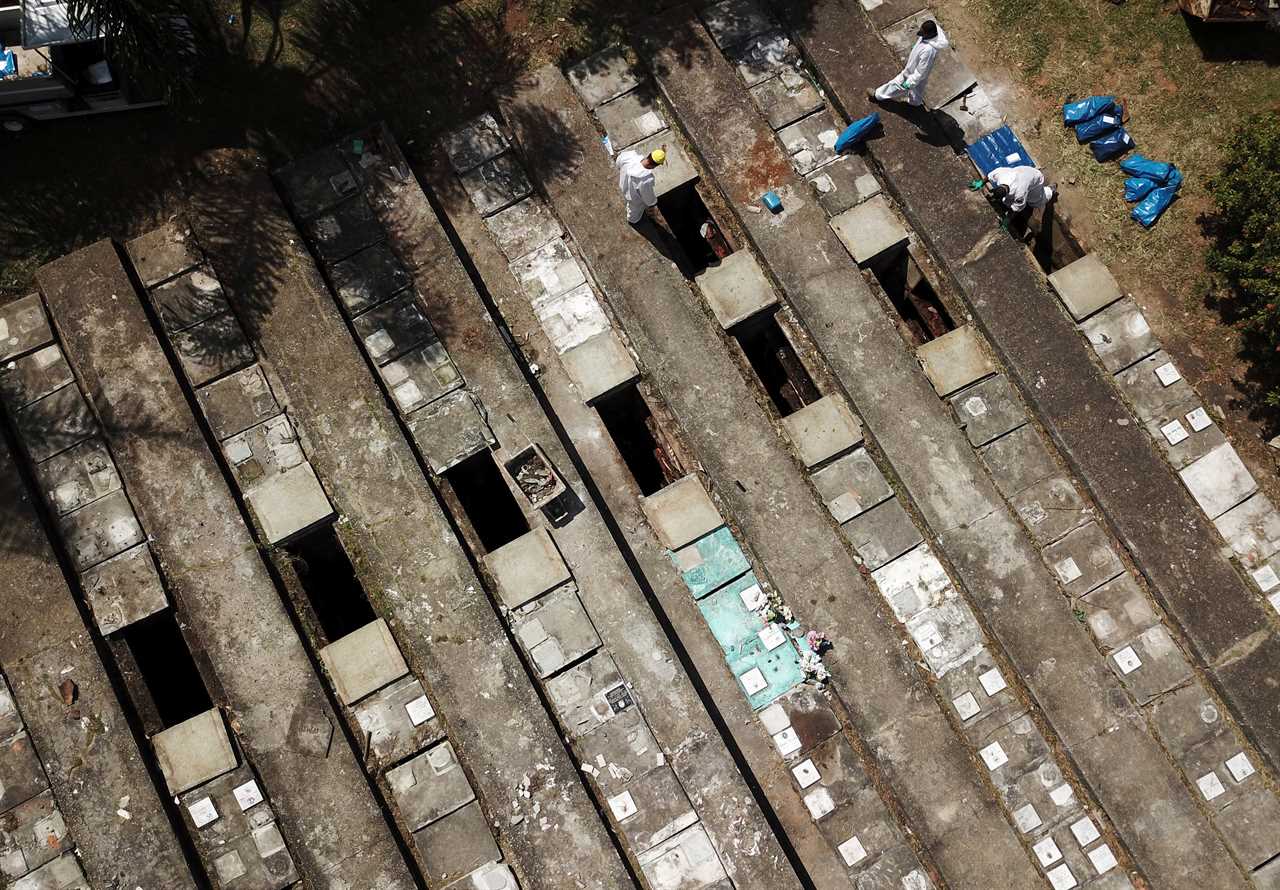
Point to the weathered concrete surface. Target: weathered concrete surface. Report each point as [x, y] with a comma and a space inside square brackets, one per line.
[1168, 537]
[946, 806]
[89, 753]
[624, 619]
[204, 550]
[930, 453]
[407, 557]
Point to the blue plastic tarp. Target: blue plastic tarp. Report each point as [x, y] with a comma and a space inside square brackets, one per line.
[1087, 131]
[1158, 172]
[1136, 188]
[8, 63]
[1112, 145]
[857, 131]
[1076, 112]
[1148, 210]
[998, 149]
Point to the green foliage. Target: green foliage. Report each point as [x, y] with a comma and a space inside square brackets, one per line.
[154, 41]
[1245, 255]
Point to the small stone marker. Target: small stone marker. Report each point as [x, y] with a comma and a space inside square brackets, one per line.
[852, 851]
[1266, 578]
[966, 705]
[1240, 767]
[203, 812]
[1027, 819]
[1127, 660]
[1199, 420]
[419, 710]
[992, 681]
[1085, 831]
[623, 806]
[1061, 878]
[1061, 796]
[1174, 432]
[1167, 374]
[1210, 786]
[1047, 852]
[787, 741]
[753, 597]
[993, 756]
[806, 773]
[753, 681]
[1274, 599]
[1103, 859]
[772, 637]
[819, 803]
[247, 795]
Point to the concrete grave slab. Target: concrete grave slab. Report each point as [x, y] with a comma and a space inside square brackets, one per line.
[1251, 827]
[316, 182]
[948, 634]
[766, 673]
[676, 170]
[1083, 560]
[368, 277]
[1018, 460]
[1041, 800]
[988, 409]
[954, 360]
[263, 451]
[163, 253]
[604, 76]
[53, 424]
[1184, 432]
[363, 661]
[1051, 508]
[289, 502]
[571, 318]
[393, 328]
[810, 141]
[843, 183]
[1085, 286]
[23, 776]
[188, 299]
[1150, 397]
[617, 752]
[549, 271]
[34, 832]
[33, 376]
[736, 289]
[786, 98]
[896, 867]
[420, 376]
[1159, 666]
[869, 230]
[631, 117]
[732, 623]
[1207, 769]
[1252, 528]
[526, 568]
[100, 530]
[885, 12]
[194, 751]
[471, 145]
[764, 56]
[343, 230]
[24, 326]
[456, 845]
[733, 21]
[212, 348]
[237, 402]
[860, 827]
[496, 184]
[1187, 718]
[1268, 876]
[974, 113]
[685, 862]
[913, 582]
[950, 77]
[1120, 335]
[429, 786]
[124, 589]
[523, 227]
[839, 775]
[555, 630]
[599, 365]
[979, 695]
[1021, 749]
[681, 513]
[808, 716]
[1118, 611]
[234, 827]
[63, 873]
[660, 809]
[851, 484]
[449, 430]
[1218, 481]
[710, 562]
[397, 721]
[882, 533]
[823, 429]
[589, 694]
[75, 477]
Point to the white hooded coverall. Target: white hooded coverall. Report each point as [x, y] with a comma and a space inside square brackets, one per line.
[909, 83]
[1026, 186]
[635, 181]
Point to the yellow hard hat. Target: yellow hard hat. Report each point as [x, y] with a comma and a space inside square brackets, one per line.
[658, 156]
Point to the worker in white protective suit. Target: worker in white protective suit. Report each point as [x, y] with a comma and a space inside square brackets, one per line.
[635, 181]
[1019, 188]
[908, 84]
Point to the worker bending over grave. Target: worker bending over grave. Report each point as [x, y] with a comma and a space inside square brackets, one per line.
[1018, 191]
[908, 84]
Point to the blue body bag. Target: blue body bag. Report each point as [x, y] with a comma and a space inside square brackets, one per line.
[1078, 112]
